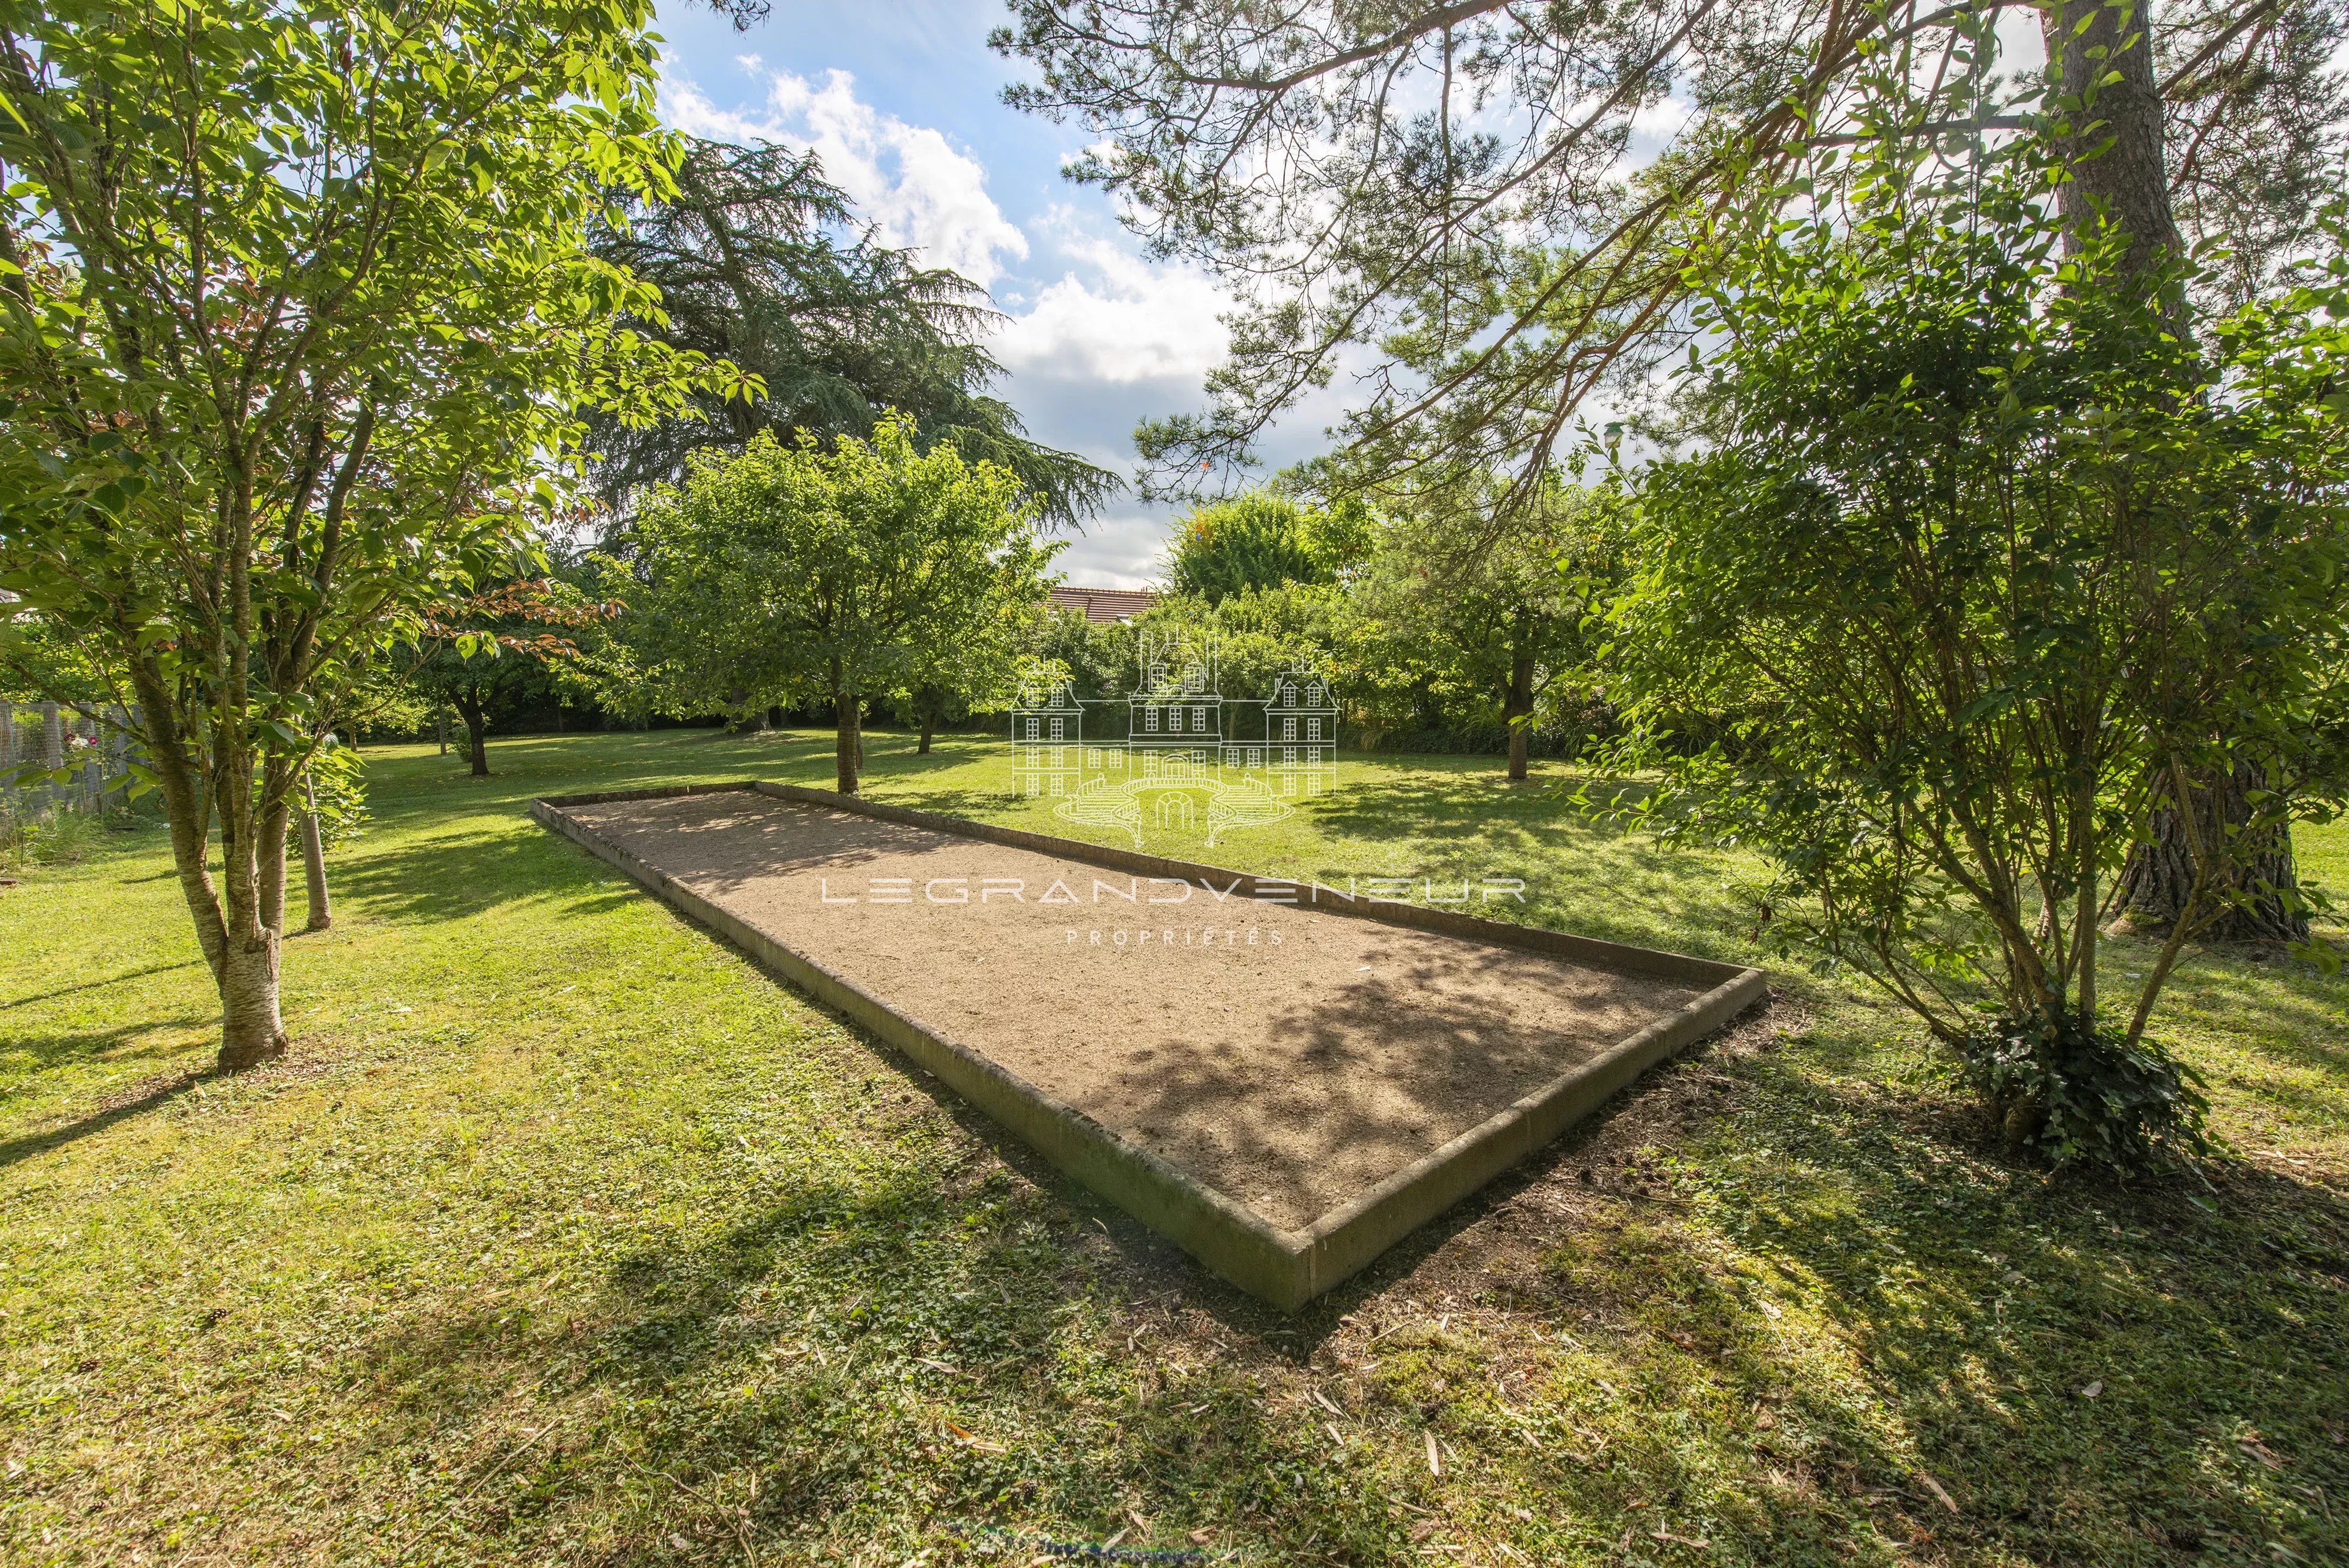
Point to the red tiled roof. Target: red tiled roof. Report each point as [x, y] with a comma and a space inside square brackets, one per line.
[1105, 604]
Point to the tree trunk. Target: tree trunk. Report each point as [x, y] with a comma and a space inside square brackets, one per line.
[440, 728]
[314, 861]
[2129, 178]
[929, 721]
[1517, 709]
[271, 870]
[775, 717]
[2160, 869]
[2128, 181]
[848, 744]
[748, 722]
[253, 877]
[477, 738]
[252, 1031]
[241, 952]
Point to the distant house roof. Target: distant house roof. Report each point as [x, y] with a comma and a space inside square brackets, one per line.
[1105, 604]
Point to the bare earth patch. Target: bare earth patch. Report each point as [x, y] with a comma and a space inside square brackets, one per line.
[1289, 1057]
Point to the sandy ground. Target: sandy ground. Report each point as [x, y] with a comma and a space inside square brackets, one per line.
[1288, 1057]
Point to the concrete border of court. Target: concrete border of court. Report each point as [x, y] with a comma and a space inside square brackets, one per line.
[1284, 1268]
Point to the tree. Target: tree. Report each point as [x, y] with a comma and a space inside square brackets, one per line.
[496, 651]
[41, 660]
[297, 320]
[1450, 189]
[1504, 615]
[1983, 551]
[758, 262]
[1256, 540]
[1455, 188]
[333, 811]
[793, 571]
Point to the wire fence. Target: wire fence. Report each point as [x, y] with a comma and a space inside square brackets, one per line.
[38, 739]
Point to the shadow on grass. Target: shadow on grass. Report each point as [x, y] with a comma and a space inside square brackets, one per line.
[140, 1102]
[453, 877]
[2091, 1372]
[99, 984]
[846, 1346]
[50, 1050]
[2075, 1361]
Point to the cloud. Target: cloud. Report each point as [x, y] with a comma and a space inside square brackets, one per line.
[908, 180]
[1123, 550]
[1110, 339]
[1131, 322]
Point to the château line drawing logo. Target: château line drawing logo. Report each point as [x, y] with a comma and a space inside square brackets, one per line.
[1118, 761]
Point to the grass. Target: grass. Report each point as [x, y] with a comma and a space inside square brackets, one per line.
[567, 1236]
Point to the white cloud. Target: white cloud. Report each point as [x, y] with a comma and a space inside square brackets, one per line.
[1130, 322]
[917, 187]
[1109, 339]
[1123, 550]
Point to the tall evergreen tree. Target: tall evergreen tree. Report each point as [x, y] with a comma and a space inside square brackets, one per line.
[759, 259]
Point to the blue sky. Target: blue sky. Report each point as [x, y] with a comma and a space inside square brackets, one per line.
[900, 98]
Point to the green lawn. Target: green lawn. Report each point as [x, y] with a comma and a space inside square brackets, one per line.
[566, 1236]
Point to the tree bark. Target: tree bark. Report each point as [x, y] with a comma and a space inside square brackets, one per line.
[252, 1031]
[271, 870]
[2129, 178]
[848, 743]
[314, 861]
[2160, 869]
[1518, 709]
[750, 722]
[477, 739]
[929, 721]
[254, 878]
[239, 948]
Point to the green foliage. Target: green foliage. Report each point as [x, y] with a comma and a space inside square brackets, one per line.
[1095, 659]
[792, 571]
[389, 705]
[1468, 617]
[506, 648]
[1440, 194]
[1981, 552]
[1261, 539]
[296, 319]
[2078, 1096]
[41, 660]
[33, 839]
[337, 789]
[760, 261]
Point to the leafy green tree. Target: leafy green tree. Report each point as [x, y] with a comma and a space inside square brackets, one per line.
[1262, 539]
[847, 573]
[42, 661]
[1445, 189]
[1501, 612]
[1982, 582]
[758, 262]
[500, 650]
[1093, 659]
[294, 315]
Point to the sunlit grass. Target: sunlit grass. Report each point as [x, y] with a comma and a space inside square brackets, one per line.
[565, 1235]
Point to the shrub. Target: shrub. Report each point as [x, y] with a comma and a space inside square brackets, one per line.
[1980, 556]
